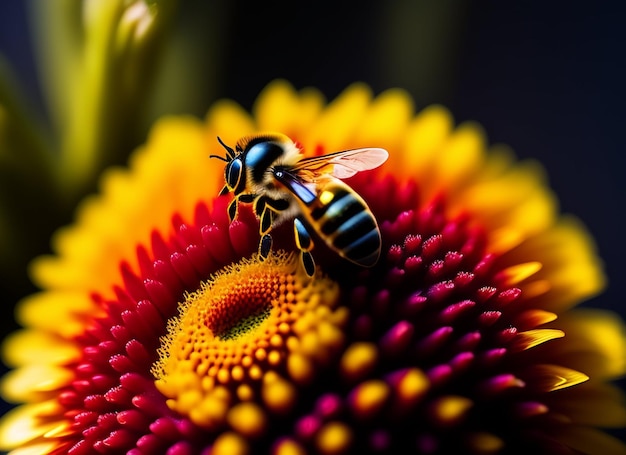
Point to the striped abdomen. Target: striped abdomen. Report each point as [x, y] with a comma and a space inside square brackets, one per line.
[341, 217]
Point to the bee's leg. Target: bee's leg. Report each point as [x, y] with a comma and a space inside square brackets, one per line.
[232, 209]
[278, 205]
[265, 246]
[234, 204]
[264, 214]
[305, 245]
[247, 198]
[259, 206]
[265, 217]
[266, 210]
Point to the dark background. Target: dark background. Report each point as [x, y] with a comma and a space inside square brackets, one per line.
[544, 77]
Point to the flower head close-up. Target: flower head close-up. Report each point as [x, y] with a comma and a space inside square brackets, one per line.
[178, 318]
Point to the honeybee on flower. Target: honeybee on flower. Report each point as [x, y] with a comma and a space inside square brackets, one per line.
[269, 171]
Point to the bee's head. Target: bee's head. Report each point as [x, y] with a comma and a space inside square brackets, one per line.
[234, 170]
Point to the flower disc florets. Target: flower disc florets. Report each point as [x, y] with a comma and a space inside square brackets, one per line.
[250, 335]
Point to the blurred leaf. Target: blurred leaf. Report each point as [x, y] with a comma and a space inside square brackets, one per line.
[101, 57]
[58, 36]
[28, 198]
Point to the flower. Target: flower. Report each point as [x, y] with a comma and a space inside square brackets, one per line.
[159, 330]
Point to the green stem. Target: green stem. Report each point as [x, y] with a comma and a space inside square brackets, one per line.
[114, 54]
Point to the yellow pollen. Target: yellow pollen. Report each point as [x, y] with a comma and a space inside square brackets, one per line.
[260, 354]
[278, 394]
[450, 410]
[369, 397]
[300, 368]
[237, 373]
[334, 438]
[276, 340]
[223, 376]
[247, 419]
[309, 343]
[211, 411]
[256, 372]
[326, 196]
[245, 392]
[413, 385]
[358, 360]
[486, 443]
[237, 332]
[230, 444]
[289, 447]
[274, 358]
[292, 343]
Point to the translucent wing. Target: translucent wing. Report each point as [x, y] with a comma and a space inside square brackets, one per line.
[296, 186]
[341, 164]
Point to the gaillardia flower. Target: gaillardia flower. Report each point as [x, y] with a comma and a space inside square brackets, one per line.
[159, 330]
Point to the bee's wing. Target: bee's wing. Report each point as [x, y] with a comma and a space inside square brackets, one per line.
[297, 186]
[342, 164]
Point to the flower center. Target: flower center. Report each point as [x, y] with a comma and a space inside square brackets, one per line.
[235, 309]
[246, 336]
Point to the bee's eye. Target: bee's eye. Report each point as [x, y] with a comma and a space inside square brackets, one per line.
[233, 172]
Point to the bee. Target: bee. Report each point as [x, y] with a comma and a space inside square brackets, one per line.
[270, 172]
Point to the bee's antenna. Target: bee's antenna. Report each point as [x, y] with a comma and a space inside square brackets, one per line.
[219, 158]
[230, 152]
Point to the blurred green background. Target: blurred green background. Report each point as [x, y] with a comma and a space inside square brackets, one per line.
[546, 78]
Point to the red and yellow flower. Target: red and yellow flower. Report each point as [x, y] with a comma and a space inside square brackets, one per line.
[158, 330]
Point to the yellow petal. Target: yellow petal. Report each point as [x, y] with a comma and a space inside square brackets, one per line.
[280, 108]
[596, 342]
[517, 273]
[425, 136]
[533, 318]
[34, 347]
[518, 199]
[531, 338]
[34, 383]
[385, 120]
[460, 157]
[39, 448]
[133, 201]
[57, 312]
[228, 120]
[346, 110]
[20, 425]
[569, 261]
[549, 378]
